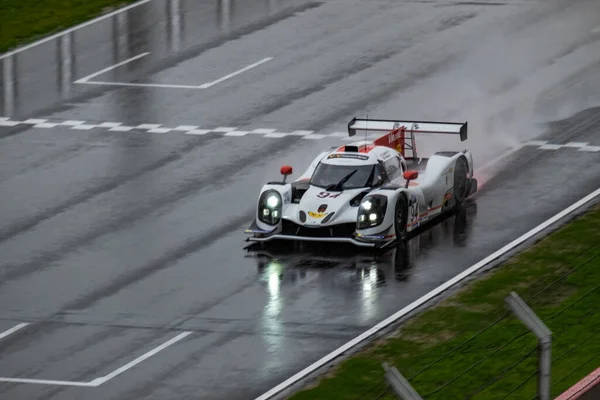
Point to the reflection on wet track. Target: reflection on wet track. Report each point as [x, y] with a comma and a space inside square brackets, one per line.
[355, 271]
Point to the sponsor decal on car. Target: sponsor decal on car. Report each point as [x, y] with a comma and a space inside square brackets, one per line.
[323, 195]
[355, 156]
[316, 214]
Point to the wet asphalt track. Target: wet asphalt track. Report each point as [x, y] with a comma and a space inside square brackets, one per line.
[112, 243]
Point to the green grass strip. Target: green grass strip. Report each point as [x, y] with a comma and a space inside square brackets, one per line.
[470, 346]
[24, 21]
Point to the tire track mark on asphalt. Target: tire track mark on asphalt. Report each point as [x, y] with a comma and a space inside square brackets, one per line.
[276, 103]
[123, 221]
[26, 224]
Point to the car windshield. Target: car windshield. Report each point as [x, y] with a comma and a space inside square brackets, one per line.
[328, 175]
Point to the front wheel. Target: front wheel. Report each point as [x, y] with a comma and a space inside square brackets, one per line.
[401, 217]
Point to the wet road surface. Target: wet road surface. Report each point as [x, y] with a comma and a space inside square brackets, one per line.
[115, 241]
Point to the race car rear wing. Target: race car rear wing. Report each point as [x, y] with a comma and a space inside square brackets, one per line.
[400, 131]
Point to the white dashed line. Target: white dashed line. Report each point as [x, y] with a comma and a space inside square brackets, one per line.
[232, 131]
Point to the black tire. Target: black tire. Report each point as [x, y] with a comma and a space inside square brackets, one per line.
[401, 217]
[461, 181]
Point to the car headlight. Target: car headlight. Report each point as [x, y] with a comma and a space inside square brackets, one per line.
[269, 207]
[371, 211]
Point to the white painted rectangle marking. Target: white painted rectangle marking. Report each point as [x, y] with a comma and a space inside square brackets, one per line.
[551, 146]
[148, 126]
[186, 128]
[102, 71]
[9, 123]
[338, 134]
[4, 119]
[223, 129]
[109, 124]
[84, 127]
[276, 135]
[46, 125]
[34, 121]
[535, 143]
[197, 132]
[576, 144]
[12, 330]
[425, 298]
[72, 123]
[589, 148]
[314, 137]
[121, 128]
[263, 131]
[239, 71]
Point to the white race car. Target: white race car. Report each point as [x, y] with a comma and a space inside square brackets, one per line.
[368, 193]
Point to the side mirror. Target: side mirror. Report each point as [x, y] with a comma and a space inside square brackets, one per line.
[410, 175]
[286, 170]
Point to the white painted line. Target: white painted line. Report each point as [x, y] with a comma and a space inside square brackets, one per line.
[589, 148]
[148, 126]
[10, 123]
[84, 127]
[4, 119]
[223, 129]
[315, 137]
[186, 128]
[424, 299]
[159, 130]
[338, 134]
[87, 78]
[551, 147]
[263, 131]
[122, 128]
[109, 125]
[239, 71]
[35, 121]
[197, 132]
[141, 358]
[148, 85]
[72, 123]
[276, 135]
[535, 142]
[77, 27]
[12, 330]
[576, 144]
[46, 125]
[48, 382]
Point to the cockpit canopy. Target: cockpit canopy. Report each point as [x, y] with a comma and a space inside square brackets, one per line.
[345, 176]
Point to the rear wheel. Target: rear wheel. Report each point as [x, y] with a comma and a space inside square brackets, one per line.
[461, 181]
[401, 217]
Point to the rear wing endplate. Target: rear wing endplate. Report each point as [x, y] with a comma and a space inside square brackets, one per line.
[452, 128]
